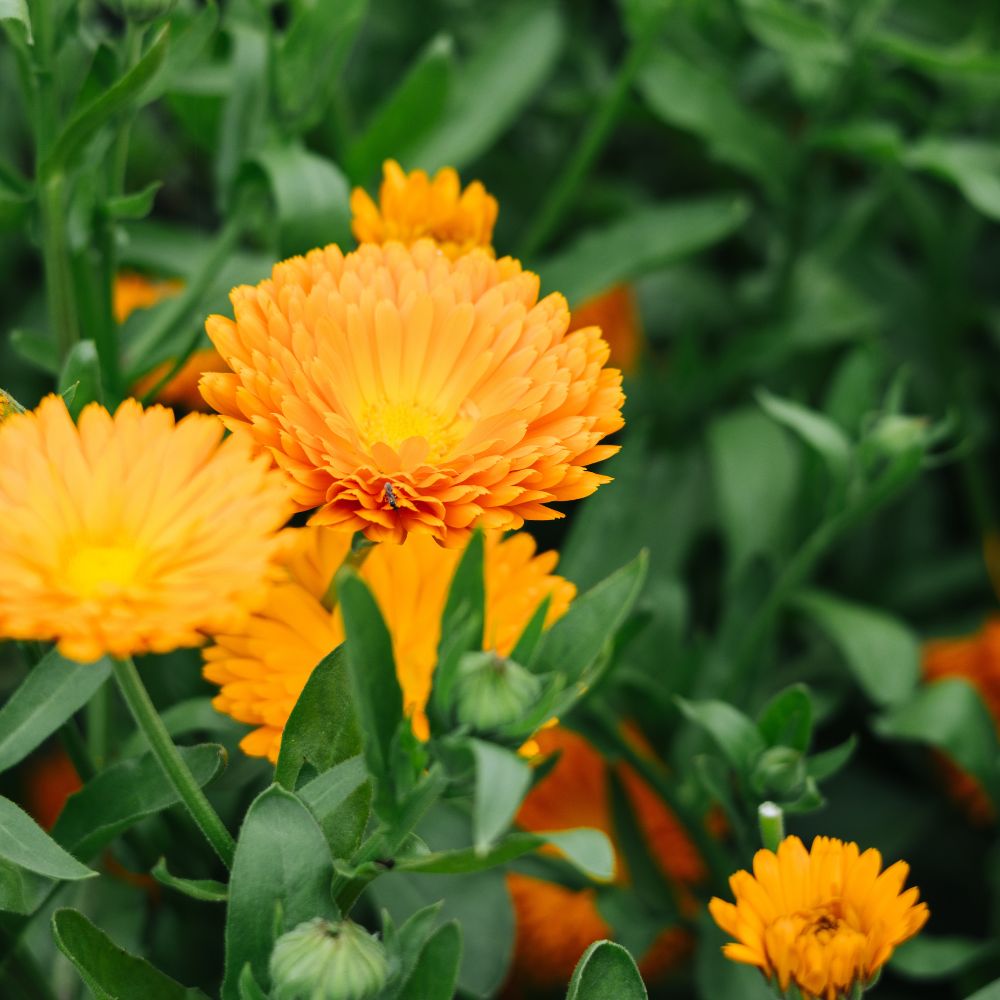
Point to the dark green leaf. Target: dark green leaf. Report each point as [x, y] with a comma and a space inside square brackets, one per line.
[786, 720]
[436, 971]
[133, 206]
[527, 643]
[340, 799]
[54, 689]
[205, 889]
[818, 431]
[734, 734]
[322, 729]
[24, 843]
[189, 716]
[829, 762]
[124, 793]
[82, 369]
[502, 778]
[110, 972]
[939, 957]
[282, 864]
[606, 970]
[37, 349]
[21, 891]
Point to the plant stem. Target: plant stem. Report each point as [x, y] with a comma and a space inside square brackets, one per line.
[771, 821]
[77, 751]
[177, 772]
[355, 558]
[60, 294]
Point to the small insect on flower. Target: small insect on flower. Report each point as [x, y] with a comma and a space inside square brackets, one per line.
[390, 495]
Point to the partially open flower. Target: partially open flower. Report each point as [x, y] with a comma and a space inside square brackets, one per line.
[413, 206]
[402, 392]
[616, 312]
[130, 533]
[264, 666]
[824, 921]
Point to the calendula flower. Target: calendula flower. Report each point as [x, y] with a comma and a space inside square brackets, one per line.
[556, 924]
[413, 206]
[130, 533]
[132, 291]
[617, 314]
[824, 920]
[264, 666]
[401, 391]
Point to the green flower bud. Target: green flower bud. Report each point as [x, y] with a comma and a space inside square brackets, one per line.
[141, 11]
[492, 691]
[779, 771]
[319, 960]
[896, 434]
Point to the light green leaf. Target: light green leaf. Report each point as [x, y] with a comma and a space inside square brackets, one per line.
[972, 166]
[17, 11]
[436, 970]
[927, 958]
[82, 369]
[734, 734]
[991, 992]
[24, 843]
[502, 778]
[818, 431]
[21, 891]
[606, 970]
[340, 799]
[133, 206]
[54, 689]
[206, 890]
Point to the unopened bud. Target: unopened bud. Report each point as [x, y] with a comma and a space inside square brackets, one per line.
[320, 960]
[492, 691]
[895, 434]
[780, 771]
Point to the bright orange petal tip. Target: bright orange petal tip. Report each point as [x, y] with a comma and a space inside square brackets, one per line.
[263, 666]
[824, 920]
[616, 312]
[403, 392]
[130, 533]
[414, 206]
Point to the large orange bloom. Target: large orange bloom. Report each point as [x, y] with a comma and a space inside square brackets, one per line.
[263, 667]
[555, 924]
[826, 919]
[130, 533]
[616, 312]
[401, 391]
[413, 206]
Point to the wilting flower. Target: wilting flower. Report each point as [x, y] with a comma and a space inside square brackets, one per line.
[404, 392]
[413, 206]
[264, 666]
[130, 533]
[617, 314]
[824, 920]
[556, 924]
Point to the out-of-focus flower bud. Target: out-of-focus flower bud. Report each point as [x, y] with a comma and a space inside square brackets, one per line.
[780, 771]
[492, 691]
[895, 434]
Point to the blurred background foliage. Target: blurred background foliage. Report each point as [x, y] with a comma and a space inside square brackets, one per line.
[801, 195]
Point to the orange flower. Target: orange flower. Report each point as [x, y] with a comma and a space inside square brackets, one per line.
[49, 780]
[617, 314]
[825, 920]
[404, 392]
[130, 533]
[133, 291]
[263, 667]
[413, 206]
[556, 924]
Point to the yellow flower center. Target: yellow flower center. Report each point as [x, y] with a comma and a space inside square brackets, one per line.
[395, 423]
[101, 570]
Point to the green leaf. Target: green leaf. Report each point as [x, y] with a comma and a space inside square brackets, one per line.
[17, 11]
[377, 696]
[124, 793]
[786, 720]
[991, 992]
[514, 59]
[133, 206]
[24, 843]
[587, 849]
[340, 799]
[282, 864]
[881, 652]
[606, 970]
[110, 972]
[21, 891]
[756, 470]
[949, 715]
[37, 349]
[53, 691]
[690, 96]
[829, 762]
[188, 716]
[972, 166]
[410, 112]
[436, 972]
[249, 987]
[818, 431]
[127, 92]
[502, 779]
[322, 729]
[82, 368]
[735, 735]
[720, 977]
[939, 957]
[527, 643]
[207, 890]
[310, 194]
[649, 238]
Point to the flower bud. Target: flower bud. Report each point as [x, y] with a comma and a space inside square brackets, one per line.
[320, 960]
[141, 11]
[492, 691]
[895, 434]
[780, 771]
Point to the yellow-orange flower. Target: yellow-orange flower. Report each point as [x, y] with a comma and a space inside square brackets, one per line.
[401, 391]
[130, 533]
[413, 206]
[556, 924]
[824, 920]
[263, 667]
[132, 291]
[617, 314]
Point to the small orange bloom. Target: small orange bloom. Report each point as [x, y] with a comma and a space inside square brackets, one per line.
[616, 312]
[49, 780]
[133, 291]
[413, 206]
[825, 920]
[556, 924]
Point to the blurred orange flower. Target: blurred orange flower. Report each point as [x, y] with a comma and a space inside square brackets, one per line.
[616, 312]
[49, 780]
[556, 924]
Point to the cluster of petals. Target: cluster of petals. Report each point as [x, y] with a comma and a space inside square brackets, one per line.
[263, 667]
[413, 206]
[824, 920]
[130, 533]
[401, 391]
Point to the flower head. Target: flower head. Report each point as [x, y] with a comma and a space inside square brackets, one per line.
[130, 533]
[413, 206]
[556, 924]
[264, 666]
[404, 392]
[824, 920]
[132, 291]
[617, 314]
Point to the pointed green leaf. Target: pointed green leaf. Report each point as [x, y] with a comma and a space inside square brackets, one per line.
[25, 843]
[734, 734]
[818, 431]
[340, 799]
[133, 206]
[82, 369]
[207, 890]
[606, 970]
[436, 971]
[502, 779]
[786, 720]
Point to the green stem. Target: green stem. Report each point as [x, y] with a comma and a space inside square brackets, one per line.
[771, 821]
[589, 147]
[98, 717]
[177, 772]
[355, 558]
[60, 294]
[77, 751]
